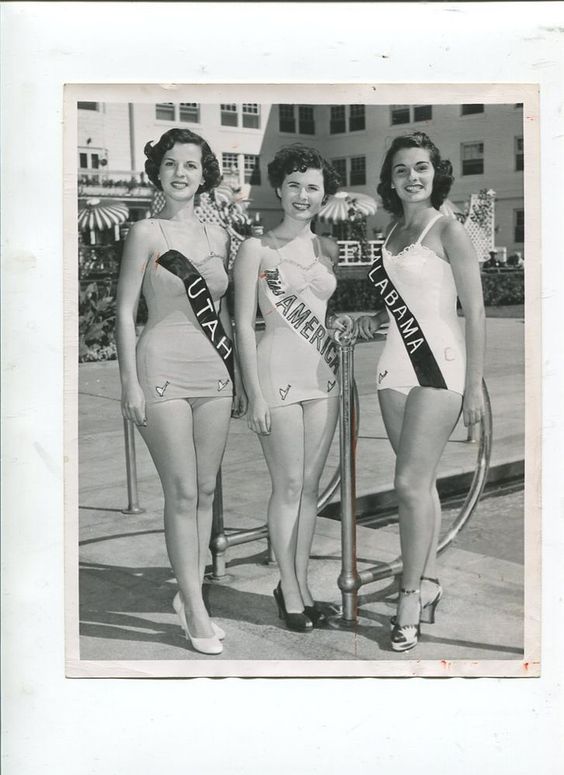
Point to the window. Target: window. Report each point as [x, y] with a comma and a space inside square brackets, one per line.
[407, 114]
[251, 115]
[472, 158]
[287, 120]
[357, 119]
[252, 169]
[338, 122]
[341, 169]
[229, 114]
[358, 171]
[468, 110]
[89, 159]
[519, 156]
[306, 120]
[519, 225]
[88, 106]
[229, 161]
[422, 112]
[189, 111]
[164, 111]
[400, 114]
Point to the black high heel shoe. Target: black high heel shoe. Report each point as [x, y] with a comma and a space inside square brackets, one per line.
[316, 614]
[406, 636]
[295, 622]
[428, 610]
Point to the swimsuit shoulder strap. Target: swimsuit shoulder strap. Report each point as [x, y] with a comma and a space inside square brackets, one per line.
[163, 232]
[427, 228]
[389, 234]
[207, 237]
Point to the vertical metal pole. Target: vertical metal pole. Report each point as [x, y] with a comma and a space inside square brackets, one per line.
[218, 543]
[349, 581]
[271, 558]
[473, 434]
[133, 506]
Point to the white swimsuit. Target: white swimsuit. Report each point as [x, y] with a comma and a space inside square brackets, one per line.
[426, 284]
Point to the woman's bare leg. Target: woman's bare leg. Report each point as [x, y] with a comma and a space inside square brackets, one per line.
[169, 437]
[320, 417]
[210, 419]
[424, 420]
[284, 453]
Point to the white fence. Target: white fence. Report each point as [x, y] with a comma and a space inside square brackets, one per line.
[350, 252]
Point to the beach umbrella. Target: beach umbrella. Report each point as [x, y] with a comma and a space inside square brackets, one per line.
[95, 216]
[338, 207]
[224, 194]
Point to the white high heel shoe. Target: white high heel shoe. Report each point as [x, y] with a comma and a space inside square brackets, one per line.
[204, 645]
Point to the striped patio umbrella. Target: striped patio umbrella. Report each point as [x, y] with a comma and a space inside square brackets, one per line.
[95, 216]
[339, 205]
[223, 194]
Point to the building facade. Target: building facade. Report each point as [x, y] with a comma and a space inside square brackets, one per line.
[484, 142]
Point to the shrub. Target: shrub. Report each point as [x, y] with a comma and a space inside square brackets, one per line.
[96, 322]
[503, 287]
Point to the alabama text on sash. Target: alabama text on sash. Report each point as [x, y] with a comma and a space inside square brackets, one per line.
[420, 354]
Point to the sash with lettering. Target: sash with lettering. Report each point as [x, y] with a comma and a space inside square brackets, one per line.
[202, 305]
[297, 315]
[420, 354]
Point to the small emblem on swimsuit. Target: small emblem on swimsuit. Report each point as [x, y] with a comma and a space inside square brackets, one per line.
[274, 281]
[221, 383]
[449, 354]
[330, 385]
[161, 390]
[381, 376]
[284, 392]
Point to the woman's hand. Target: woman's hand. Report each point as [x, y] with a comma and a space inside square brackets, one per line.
[240, 402]
[133, 405]
[259, 417]
[472, 406]
[342, 323]
[367, 326]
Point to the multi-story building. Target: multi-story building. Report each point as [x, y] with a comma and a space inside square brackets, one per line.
[484, 142]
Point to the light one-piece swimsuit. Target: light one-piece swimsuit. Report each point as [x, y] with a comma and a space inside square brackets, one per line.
[175, 359]
[289, 367]
[426, 283]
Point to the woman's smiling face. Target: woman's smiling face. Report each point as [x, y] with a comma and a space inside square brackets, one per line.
[413, 175]
[301, 194]
[180, 172]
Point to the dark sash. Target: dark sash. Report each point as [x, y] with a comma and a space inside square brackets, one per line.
[299, 317]
[202, 304]
[420, 354]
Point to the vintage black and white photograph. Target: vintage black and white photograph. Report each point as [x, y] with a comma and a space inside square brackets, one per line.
[297, 378]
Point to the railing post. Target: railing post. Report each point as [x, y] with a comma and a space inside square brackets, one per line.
[349, 580]
[133, 506]
[218, 543]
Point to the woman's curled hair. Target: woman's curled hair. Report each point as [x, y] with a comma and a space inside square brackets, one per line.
[156, 152]
[300, 158]
[442, 181]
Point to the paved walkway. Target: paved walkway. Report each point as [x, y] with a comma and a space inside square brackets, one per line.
[126, 585]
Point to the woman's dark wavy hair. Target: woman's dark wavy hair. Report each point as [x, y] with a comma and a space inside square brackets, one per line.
[299, 158]
[442, 181]
[156, 152]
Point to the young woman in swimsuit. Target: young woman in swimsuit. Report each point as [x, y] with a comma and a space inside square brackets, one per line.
[290, 378]
[429, 370]
[177, 380]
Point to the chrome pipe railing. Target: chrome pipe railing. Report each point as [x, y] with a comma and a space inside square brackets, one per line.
[133, 506]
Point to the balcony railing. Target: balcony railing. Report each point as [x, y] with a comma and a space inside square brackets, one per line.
[351, 252]
[122, 183]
